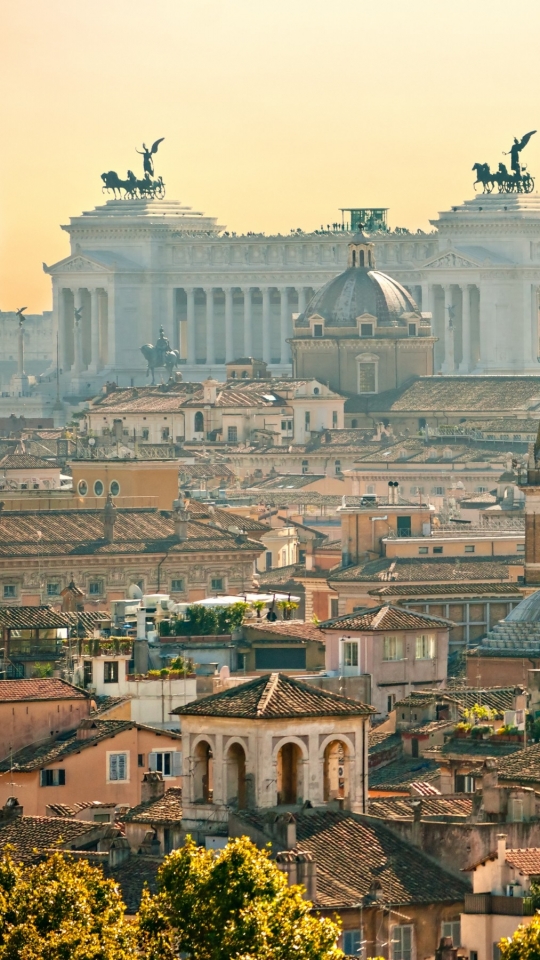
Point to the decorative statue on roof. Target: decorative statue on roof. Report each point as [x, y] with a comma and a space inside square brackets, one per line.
[134, 189]
[160, 355]
[519, 181]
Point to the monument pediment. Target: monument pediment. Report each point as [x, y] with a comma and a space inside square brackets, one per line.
[450, 258]
[77, 264]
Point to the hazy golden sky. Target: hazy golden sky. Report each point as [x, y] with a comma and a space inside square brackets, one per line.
[275, 113]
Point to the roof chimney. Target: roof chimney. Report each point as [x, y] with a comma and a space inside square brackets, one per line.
[152, 786]
[109, 519]
[501, 848]
[181, 520]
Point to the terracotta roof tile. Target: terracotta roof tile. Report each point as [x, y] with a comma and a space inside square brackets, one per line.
[167, 809]
[46, 688]
[132, 876]
[405, 570]
[400, 773]
[274, 696]
[289, 629]
[353, 853]
[522, 766]
[25, 461]
[20, 618]
[432, 590]
[402, 808]
[30, 834]
[386, 618]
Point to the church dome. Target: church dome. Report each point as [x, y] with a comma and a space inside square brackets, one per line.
[360, 290]
[527, 611]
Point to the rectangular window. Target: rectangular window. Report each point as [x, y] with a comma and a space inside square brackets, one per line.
[423, 550]
[217, 583]
[350, 653]
[337, 465]
[393, 648]
[334, 607]
[307, 420]
[452, 928]
[520, 548]
[9, 591]
[402, 942]
[437, 549]
[412, 329]
[110, 671]
[352, 943]
[102, 818]
[140, 759]
[164, 433]
[145, 434]
[53, 589]
[268, 559]
[87, 673]
[317, 330]
[403, 526]
[52, 778]
[305, 466]
[177, 586]
[232, 434]
[366, 329]
[334, 418]
[463, 783]
[367, 378]
[425, 647]
[496, 951]
[166, 762]
[438, 491]
[469, 548]
[118, 766]
[95, 588]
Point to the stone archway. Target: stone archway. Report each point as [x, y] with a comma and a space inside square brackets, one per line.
[236, 776]
[336, 771]
[203, 780]
[289, 773]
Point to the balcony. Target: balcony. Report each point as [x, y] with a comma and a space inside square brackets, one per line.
[506, 906]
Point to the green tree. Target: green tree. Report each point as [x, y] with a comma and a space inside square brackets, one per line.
[524, 944]
[237, 904]
[61, 909]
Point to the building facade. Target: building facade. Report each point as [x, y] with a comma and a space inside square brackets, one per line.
[137, 264]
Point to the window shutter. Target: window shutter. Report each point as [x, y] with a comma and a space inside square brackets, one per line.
[122, 773]
[43, 778]
[152, 761]
[177, 764]
[113, 767]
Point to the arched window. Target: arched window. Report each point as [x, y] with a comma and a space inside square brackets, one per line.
[354, 258]
[199, 422]
[203, 773]
[362, 258]
[236, 776]
[336, 771]
[370, 259]
[288, 773]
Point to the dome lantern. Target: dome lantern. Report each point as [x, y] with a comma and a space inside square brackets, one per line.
[361, 251]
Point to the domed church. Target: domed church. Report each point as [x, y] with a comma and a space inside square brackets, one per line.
[362, 332]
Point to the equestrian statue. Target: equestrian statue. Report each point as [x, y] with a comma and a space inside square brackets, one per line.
[160, 355]
[135, 189]
[518, 181]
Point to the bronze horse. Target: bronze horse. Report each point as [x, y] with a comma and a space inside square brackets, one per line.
[156, 359]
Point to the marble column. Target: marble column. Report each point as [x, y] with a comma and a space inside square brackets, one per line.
[111, 325]
[448, 365]
[190, 296]
[465, 364]
[248, 333]
[210, 332]
[285, 317]
[94, 331]
[77, 333]
[426, 289]
[301, 299]
[229, 342]
[65, 320]
[266, 325]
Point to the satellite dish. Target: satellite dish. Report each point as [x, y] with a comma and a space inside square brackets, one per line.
[134, 592]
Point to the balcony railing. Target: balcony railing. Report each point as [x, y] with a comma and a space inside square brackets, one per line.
[491, 903]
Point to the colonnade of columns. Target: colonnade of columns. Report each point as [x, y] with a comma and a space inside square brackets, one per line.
[455, 310]
[83, 329]
[250, 323]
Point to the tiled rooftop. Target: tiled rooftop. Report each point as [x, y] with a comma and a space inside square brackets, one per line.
[21, 618]
[522, 766]
[353, 853]
[166, 810]
[28, 835]
[25, 461]
[133, 875]
[402, 808]
[45, 688]
[81, 532]
[291, 629]
[431, 591]
[386, 618]
[399, 774]
[405, 569]
[274, 696]
[462, 394]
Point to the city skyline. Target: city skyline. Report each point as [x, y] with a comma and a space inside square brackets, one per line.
[273, 118]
